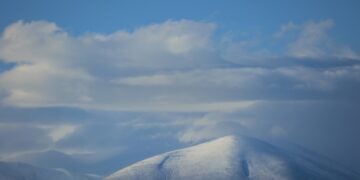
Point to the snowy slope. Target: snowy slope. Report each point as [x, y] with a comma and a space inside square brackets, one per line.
[233, 157]
[21, 171]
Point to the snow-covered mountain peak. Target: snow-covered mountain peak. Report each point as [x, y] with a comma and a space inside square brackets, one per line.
[232, 157]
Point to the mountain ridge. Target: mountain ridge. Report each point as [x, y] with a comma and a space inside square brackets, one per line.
[23, 171]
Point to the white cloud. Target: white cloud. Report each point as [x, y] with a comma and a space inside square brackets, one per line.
[35, 42]
[55, 69]
[210, 78]
[313, 41]
[58, 132]
[41, 84]
[285, 29]
[176, 106]
[309, 40]
[244, 78]
[170, 44]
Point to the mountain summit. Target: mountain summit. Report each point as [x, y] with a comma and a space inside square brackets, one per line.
[234, 157]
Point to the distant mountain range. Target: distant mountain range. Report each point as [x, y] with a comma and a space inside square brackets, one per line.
[21, 171]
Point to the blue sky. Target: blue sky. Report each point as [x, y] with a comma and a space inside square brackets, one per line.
[108, 16]
[108, 78]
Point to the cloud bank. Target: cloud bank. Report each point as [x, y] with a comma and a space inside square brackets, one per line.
[176, 80]
[172, 66]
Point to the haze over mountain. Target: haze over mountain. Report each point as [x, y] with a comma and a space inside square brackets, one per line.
[21, 171]
[50, 159]
[79, 164]
[229, 157]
